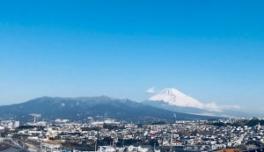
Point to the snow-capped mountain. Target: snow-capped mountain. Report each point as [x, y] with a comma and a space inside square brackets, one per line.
[175, 100]
[174, 97]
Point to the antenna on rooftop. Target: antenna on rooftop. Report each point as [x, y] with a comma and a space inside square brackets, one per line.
[35, 116]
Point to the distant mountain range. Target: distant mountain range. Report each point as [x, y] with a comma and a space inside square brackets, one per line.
[51, 108]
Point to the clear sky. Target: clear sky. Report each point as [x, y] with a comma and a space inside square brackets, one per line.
[212, 50]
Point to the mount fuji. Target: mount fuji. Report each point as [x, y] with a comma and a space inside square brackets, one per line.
[174, 97]
[175, 100]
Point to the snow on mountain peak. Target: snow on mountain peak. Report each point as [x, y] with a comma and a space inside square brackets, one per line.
[174, 97]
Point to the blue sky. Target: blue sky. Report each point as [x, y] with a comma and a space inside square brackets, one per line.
[211, 50]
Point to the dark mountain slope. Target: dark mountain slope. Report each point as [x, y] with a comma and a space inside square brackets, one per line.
[81, 108]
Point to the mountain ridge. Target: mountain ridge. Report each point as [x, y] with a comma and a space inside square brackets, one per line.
[80, 108]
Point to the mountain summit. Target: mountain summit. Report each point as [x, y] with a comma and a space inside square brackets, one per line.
[174, 100]
[174, 97]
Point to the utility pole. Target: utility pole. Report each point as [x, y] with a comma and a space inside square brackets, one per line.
[95, 145]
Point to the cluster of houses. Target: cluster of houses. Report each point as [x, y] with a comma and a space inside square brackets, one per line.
[109, 135]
